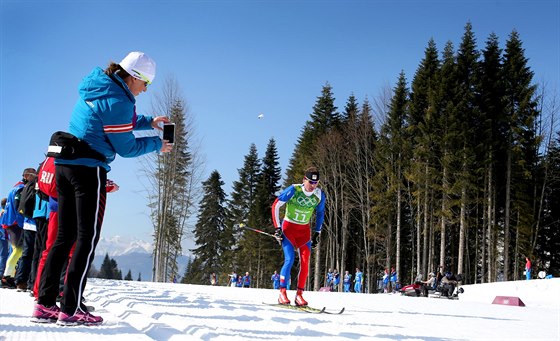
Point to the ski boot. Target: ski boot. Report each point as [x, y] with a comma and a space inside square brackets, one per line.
[283, 298]
[21, 287]
[8, 282]
[300, 302]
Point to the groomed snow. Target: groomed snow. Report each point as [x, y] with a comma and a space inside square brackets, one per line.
[163, 311]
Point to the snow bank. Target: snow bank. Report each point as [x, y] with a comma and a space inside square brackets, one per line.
[534, 293]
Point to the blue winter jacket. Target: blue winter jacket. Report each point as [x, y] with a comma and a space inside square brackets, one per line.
[105, 116]
[41, 209]
[11, 216]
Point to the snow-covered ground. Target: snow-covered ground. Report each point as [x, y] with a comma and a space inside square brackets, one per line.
[158, 311]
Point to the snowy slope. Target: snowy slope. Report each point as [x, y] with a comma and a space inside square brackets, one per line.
[163, 311]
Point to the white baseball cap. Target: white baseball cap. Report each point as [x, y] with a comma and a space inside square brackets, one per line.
[139, 66]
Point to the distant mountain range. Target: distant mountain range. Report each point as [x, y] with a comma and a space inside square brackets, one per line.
[130, 254]
[119, 246]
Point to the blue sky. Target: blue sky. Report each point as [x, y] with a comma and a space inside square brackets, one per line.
[232, 61]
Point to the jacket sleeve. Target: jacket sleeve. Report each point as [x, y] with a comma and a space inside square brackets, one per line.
[320, 212]
[286, 195]
[119, 122]
[143, 122]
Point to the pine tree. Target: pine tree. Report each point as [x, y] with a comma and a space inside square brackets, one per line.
[210, 230]
[109, 269]
[522, 150]
[322, 120]
[269, 184]
[188, 272]
[262, 255]
[128, 276]
[242, 210]
[115, 271]
[393, 133]
[548, 241]
[492, 146]
[422, 132]
[244, 192]
[468, 116]
[106, 271]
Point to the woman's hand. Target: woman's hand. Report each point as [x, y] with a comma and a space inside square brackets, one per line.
[166, 146]
[157, 120]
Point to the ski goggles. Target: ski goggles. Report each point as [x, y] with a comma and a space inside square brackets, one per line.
[313, 182]
[138, 75]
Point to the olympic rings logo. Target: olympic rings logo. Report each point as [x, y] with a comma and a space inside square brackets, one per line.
[306, 201]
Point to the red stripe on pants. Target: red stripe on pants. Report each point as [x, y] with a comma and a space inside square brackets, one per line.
[52, 230]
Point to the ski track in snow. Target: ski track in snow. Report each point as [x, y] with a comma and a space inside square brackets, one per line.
[164, 311]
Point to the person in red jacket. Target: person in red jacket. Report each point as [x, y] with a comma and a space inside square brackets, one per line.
[47, 184]
[528, 268]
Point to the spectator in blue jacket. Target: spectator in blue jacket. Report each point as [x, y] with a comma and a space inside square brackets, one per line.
[246, 280]
[240, 281]
[12, 222]
[335, 281]
[358, 280]
[27, 266]
[393, 279]
[104, 119]
[386, 281]
[329, 278]
[4, 247]
[275, 280]
[347, 281]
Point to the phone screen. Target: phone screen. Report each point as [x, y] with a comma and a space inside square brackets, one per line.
[169, 132]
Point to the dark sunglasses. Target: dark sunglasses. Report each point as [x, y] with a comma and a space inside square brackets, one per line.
[312, 182]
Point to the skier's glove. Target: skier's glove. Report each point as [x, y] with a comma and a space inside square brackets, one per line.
[278, 235]
[315, 239]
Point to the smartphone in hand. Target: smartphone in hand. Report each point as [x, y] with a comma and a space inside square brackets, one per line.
[169, 132]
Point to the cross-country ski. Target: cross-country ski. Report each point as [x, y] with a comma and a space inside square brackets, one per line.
[306, 309]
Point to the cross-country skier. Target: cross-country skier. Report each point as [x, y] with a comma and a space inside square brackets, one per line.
[301, 201]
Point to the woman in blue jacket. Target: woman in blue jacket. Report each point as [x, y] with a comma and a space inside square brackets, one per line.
[104, 118]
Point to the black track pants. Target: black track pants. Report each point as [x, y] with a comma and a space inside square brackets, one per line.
[81, 205]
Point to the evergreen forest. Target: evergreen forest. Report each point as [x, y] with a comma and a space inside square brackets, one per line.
[458, 169]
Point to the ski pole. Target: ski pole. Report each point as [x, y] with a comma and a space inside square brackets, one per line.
[256, 230]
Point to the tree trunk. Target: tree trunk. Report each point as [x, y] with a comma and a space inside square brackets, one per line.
[462, 230]
[507, 214]
[398, 232]
[421, 264]
[443, 219]
[426, 211]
